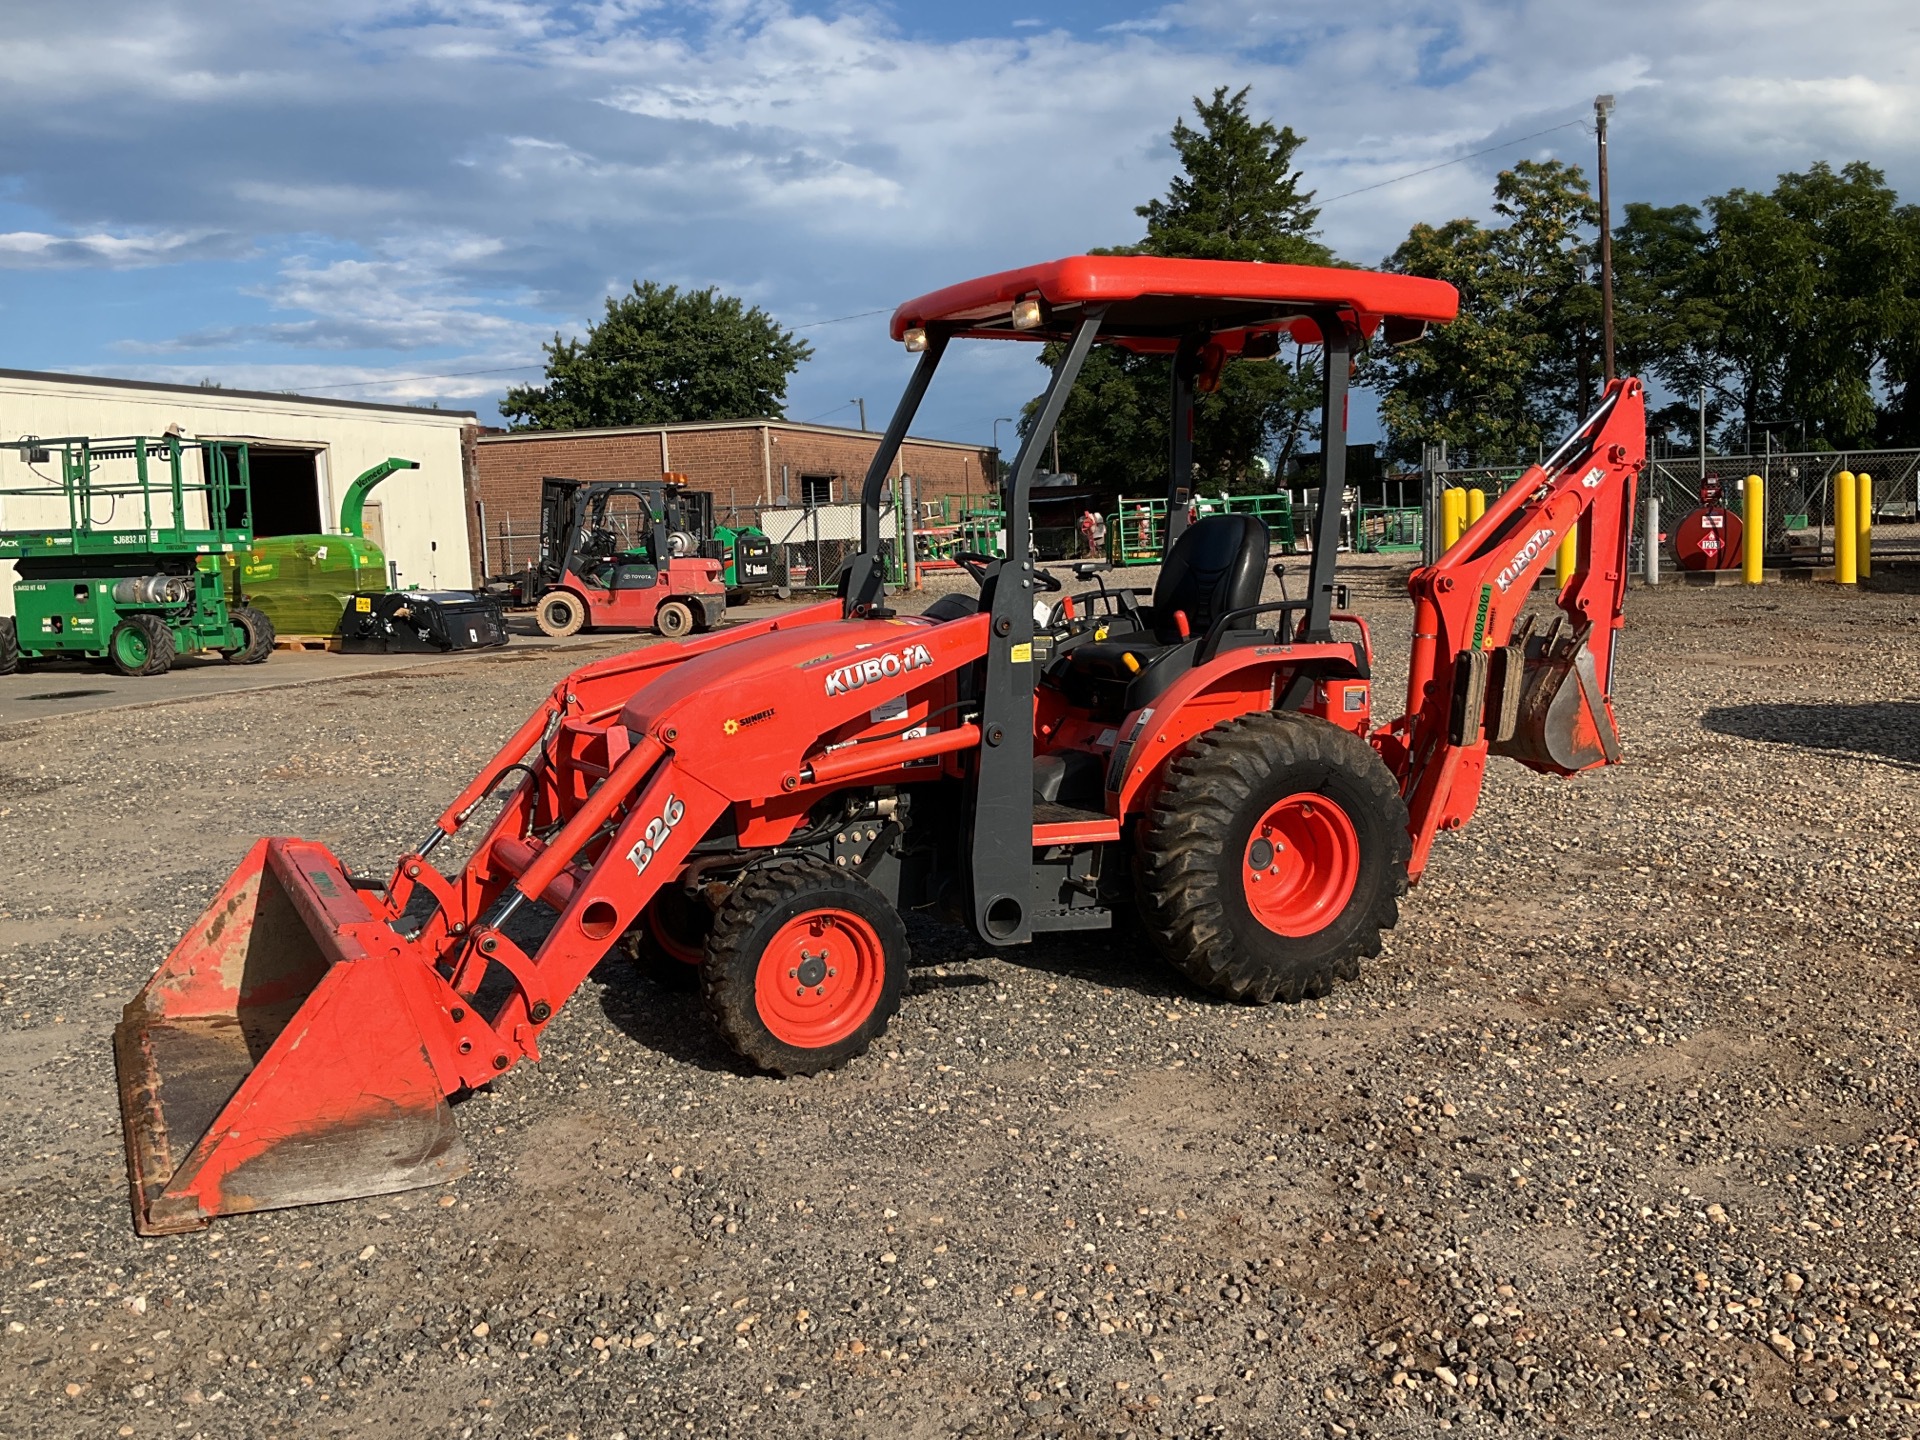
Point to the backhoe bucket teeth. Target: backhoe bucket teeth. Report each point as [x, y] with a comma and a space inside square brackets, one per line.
[275, 1058]
[1563, 723]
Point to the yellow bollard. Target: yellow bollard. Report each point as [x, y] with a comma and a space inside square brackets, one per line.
[1453, 515]
[1846, 529]
[1476, 505]
[1567, 558]
[1753, 538]
[1864, 503]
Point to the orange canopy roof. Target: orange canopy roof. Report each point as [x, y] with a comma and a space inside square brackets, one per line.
[1152, 301]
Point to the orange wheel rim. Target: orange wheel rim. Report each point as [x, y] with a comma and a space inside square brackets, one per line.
[820, 978]
[1301, 865]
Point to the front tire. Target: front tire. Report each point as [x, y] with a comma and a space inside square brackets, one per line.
[669, 943]
[560, 613]
[805, 967]
[141, 645]
[1272, 858]
[258, 632]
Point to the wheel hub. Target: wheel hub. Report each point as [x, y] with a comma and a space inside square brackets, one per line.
[820, 978]
[1301, 865]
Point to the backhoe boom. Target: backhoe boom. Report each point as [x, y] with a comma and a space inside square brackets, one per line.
[1483, 679]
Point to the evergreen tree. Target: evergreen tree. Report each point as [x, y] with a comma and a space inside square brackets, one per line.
[1237, 196]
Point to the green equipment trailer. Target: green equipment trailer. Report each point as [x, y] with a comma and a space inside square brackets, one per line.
[130, 573]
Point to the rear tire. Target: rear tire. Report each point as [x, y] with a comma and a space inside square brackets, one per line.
[258, 630]
[141, 645]
[673, 619]
[560, 613]
[1272, 858]
[9, 645]
[806, 966]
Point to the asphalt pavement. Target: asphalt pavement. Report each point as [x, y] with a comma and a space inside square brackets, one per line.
[50, 688]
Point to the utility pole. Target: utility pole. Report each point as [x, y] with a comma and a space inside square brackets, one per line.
[998, 422]
[1602, 104]
[863, 411]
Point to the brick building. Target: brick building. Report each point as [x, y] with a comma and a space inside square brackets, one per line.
[749, 465]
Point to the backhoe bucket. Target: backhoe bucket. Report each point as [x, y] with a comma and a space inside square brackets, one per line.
[275, 1058]
[1563, 725]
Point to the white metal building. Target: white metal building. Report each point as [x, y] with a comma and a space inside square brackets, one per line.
[303, 454]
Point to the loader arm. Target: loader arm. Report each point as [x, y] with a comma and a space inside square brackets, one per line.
[1485, 679]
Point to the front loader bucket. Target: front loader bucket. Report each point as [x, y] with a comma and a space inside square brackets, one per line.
[274, 1059]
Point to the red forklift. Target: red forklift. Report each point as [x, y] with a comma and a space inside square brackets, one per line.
[623, 555]
[764, 804]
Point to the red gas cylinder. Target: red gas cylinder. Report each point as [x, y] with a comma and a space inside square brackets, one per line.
[1708, 539]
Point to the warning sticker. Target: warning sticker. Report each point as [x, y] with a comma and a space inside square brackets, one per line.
[1022, 654]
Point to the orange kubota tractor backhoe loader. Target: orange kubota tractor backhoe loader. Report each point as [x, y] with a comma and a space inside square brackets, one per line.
[761, 803]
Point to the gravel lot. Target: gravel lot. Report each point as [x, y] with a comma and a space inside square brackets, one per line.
[1616, 1138]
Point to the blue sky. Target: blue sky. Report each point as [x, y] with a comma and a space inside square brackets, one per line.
[345, 196]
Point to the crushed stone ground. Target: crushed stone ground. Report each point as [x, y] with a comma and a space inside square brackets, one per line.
[1617, 1138]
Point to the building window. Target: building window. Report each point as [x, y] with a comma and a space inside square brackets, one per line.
[816, 490]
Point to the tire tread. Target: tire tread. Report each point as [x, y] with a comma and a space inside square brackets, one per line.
[1186, 854]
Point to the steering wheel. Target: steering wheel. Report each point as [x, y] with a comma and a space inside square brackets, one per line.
[975, 564]
[1046, 579]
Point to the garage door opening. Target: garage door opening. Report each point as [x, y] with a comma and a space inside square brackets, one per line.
[286, 491]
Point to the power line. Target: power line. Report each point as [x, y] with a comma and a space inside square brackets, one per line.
[1458, 160]
[842, 319]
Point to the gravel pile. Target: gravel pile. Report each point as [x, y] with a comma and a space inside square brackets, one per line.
[1617, 1137]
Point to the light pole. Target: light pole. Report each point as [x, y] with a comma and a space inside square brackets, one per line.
[1602, 106]
[863, 411]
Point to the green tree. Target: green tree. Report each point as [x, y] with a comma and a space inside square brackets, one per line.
[1522, 361]
[1470, 384]
[1237, 196]
[1666, 324]
[659, 357]
[1794, 307]
[1900, 416]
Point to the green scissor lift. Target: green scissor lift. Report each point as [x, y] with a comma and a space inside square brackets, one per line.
[132, 576]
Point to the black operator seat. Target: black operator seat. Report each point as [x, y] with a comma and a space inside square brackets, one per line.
[1218, 565]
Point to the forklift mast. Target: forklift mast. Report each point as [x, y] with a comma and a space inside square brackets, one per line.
[573, 521]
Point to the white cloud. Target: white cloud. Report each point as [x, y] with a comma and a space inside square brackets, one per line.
[821, 164]
[37, 250]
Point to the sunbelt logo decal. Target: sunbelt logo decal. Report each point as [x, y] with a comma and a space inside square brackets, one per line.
[1523, 557]
[881, 667]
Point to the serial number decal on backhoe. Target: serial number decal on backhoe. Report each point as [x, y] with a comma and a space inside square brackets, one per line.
[1524, 557]
[882, 667]
[658, 829]
[1480, 616]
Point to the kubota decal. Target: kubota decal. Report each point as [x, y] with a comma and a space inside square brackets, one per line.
[881, 667]
[656, 835]
[1523, 557]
